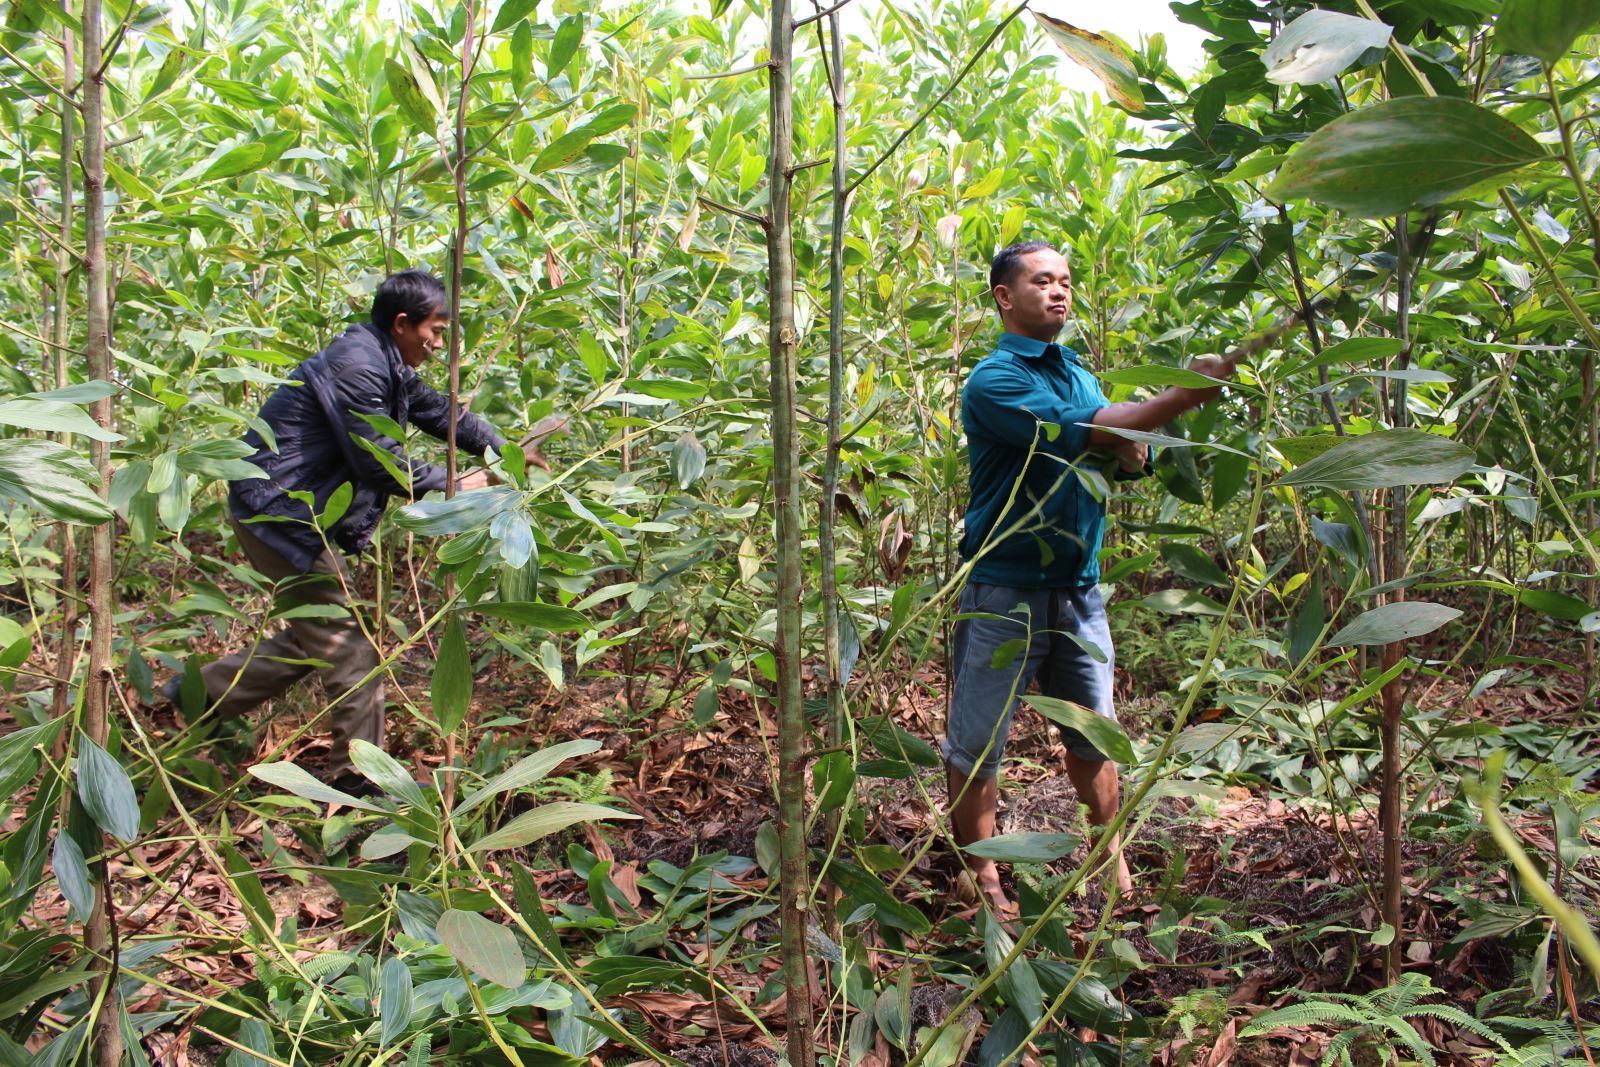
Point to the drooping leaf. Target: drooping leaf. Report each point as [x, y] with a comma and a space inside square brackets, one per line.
[1404, 155]
[1024, 847]
[385, 772]
[452, 677]
[1018, 983]
[1555, 604]
[1394, 622]
[408, 96]
[535, 615]
[472, 510]
[52, 479]
[1319, 44]
[485, 948]
[1543, 28]
[72, 875]
[511, 13]
[1191, 563]
[53, 416]
[1383, 460]
[106, 791]
[544, 821]
[299, 781]
[1104, 57]
[394, 999]
[241, 159]
[1103, 733]
[528, 771]
[688, 459]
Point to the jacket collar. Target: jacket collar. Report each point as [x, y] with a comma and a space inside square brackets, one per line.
[1029, 348]
[390, 350]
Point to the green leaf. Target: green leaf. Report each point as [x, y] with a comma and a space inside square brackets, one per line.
[688, 459]
[408, 96]
[1189, 562]
[472, 510]
[240, 159]
[53, 416]
[338, 503]
[394, 999]
[565, 45]
[832, 778]
[511, 13]
[1162, 440]
[298, 780]
[1176, 601]
[452, 677]
[1161, 376]
[387, 773]
[485, 948]
[1105, 58]
[1394, 622]
[82, 393]
[1024, 847]
[563, 150]
[1383, 460]
[1018, 983]
[527, 771]
[106, 791]
[544, 821]
[1558, 605]
[1543, 28]
[1351, 350]
[1319, 44]
[536, 615]
[19, 750]
[860, 887]
[666, 388]
[1103, 733]
[1404, 155]
[72, 875]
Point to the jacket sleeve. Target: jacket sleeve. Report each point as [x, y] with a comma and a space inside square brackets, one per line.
[361, 387]
[1006, 405]
[430, 410]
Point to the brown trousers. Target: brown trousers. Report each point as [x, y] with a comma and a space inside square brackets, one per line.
[268, 666]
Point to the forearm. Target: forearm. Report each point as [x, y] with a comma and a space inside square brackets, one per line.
[1144, 415]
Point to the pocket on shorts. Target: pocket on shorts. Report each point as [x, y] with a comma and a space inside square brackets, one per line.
[994, 599]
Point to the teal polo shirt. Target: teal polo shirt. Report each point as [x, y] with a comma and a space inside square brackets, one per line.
[1014, 389]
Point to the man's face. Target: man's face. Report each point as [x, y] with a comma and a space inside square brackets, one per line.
[1038, 298]
[419, 340]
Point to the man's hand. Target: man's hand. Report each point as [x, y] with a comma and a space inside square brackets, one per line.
[1132, 456]
[1211, 367]
[535, 458]
[476, 480]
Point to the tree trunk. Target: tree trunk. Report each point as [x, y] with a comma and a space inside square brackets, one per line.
[458, 258]
[1390, 801]
[827, 533]
[99, 933]
[61, 335]
[786, 498]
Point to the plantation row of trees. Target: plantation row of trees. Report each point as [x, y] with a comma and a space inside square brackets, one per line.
[739, 258]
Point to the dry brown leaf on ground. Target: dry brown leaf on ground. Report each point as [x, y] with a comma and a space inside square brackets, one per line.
[1222, 1049]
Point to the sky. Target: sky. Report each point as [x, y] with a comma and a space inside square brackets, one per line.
[1127, 19]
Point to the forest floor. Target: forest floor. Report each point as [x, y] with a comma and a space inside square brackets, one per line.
[1271, 896]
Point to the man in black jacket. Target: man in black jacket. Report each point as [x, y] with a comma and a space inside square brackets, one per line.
[326, 437]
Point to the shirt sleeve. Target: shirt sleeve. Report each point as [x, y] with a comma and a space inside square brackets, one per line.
[430, 410]
[1004, 403]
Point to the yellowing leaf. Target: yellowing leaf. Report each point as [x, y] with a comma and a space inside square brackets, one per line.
[1106, 58]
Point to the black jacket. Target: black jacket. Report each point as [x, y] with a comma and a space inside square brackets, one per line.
[316, 418]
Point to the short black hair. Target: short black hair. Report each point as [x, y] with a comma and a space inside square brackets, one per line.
[1008, 261]
[415, 292]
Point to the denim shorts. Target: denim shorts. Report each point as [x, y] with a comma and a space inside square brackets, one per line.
[986, 696]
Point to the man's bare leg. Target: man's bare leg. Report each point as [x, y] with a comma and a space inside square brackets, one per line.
[972, 818]
[1099, 788]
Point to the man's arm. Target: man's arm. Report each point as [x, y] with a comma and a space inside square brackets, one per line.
[430, 410]
[1159, 410]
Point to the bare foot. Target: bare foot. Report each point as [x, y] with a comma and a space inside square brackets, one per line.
[987, 877]
[1122, 877]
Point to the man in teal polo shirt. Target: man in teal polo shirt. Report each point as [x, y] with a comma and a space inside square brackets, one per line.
[1032, 413]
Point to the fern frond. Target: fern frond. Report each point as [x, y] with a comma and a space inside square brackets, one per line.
[1306, 1013]
[1408, 1035]
[1451, 1014]
[1338, 1049]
